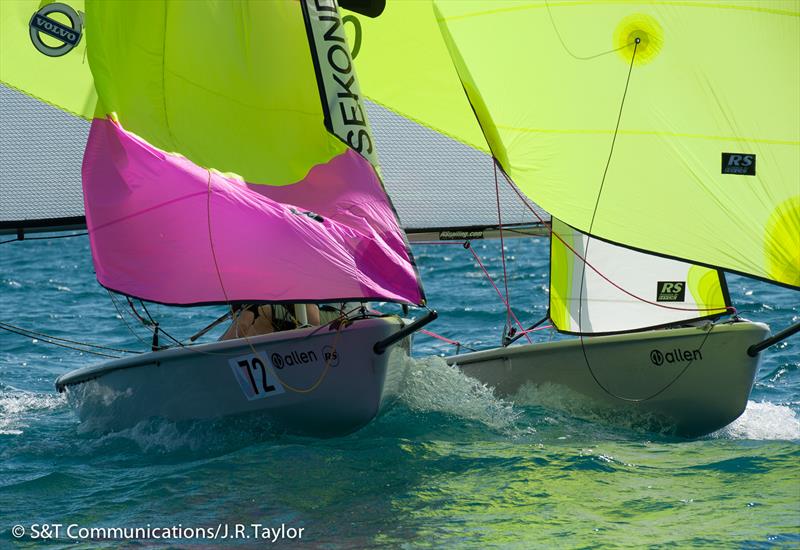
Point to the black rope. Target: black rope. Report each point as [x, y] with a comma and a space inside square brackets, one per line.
[564, 45]
[586, 253]
[613, 139]
[160, 328]
[121, 314]
[53, 342]
[33, 333]
[43, 238]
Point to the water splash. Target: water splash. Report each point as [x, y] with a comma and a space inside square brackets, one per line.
[18, 408]
[763, 421]
[434, 386]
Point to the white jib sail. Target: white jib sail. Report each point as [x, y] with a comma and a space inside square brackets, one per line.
[618, 289]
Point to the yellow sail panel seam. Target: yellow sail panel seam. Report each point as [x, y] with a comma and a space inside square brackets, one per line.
[495, 11]
[650, 133]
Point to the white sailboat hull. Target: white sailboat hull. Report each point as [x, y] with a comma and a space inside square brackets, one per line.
[291, 388]
[685, 381]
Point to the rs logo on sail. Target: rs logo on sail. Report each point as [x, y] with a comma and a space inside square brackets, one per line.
[671, 291]
[739, 163]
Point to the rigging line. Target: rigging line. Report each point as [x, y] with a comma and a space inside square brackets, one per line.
[600, 193]
[135, 312]
[564, 44]
[729, 309]
[489, 277]
[446, 339]
[658, 392]
[586, 253]
[47, 341]
[167, 334]
[121, 314]
[36, 334]
[43, 238]
[502, 242]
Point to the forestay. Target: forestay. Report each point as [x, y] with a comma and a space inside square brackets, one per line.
[600, 288]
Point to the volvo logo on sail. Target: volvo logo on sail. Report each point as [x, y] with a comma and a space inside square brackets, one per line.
[67, 36]
[677, 355]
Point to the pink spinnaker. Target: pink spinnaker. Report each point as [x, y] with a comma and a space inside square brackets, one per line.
[166, 230]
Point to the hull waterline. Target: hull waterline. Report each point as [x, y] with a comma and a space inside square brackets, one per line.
[685, 381]
[314, 381]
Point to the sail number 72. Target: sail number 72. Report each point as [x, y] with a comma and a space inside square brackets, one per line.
[255, 376]
[256, 365]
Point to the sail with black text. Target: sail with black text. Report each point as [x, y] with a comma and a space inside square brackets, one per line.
[208, 180]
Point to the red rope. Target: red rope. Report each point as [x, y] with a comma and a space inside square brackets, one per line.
[440, 337]
[477, 258]
[537, 328]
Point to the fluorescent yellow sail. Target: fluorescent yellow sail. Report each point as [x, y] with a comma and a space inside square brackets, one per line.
[225, 104]
[64, 82]
[403, 64]
[706, 162]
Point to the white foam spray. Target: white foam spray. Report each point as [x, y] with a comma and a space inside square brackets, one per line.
[433, 385]
[763, 421]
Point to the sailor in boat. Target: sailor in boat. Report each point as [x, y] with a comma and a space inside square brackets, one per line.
[254, 319]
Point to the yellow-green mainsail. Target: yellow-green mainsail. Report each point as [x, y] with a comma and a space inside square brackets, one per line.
[714, 89]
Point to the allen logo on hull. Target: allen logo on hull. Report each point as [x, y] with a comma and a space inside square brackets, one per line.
[294, 358]
[676, 355]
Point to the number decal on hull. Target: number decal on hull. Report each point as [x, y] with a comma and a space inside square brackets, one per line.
[255, 376]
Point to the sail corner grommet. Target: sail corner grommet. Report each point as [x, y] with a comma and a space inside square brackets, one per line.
[642, 33]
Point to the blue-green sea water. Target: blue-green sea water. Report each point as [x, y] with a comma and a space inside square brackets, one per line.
[450, 465]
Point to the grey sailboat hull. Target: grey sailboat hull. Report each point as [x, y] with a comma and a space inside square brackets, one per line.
[316, 381]
[685, 381]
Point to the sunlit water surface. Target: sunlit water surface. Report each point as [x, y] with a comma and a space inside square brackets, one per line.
[449, 465]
